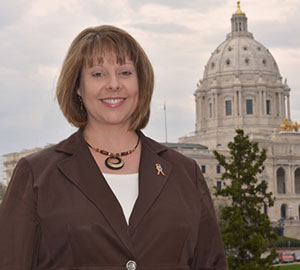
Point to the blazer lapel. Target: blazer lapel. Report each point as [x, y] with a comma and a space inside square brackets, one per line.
[151, 181]
[81, 169]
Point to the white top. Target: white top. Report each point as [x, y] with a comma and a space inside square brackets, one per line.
[126, 189]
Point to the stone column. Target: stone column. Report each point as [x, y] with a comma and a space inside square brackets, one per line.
[259, 102]
[240, 104]
[288, 107]
[217, 105]
[289, 180]
[284, 104]
[198, 100]
[290, 210]
[276, 104]
[236, 103]
[214, 105]
[280, 103]
[203, 105]
[264, 103]
[274, 170]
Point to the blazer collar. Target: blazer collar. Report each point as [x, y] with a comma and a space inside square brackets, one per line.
[72, 144]
[81, 169]
[151, 181]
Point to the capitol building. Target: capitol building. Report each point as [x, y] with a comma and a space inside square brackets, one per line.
[242, 88]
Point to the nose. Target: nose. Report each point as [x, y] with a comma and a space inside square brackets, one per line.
[113, 83]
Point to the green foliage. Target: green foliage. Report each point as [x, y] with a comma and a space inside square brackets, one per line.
[290, 267]
[246, 231]
[2, 190]
[285, 242]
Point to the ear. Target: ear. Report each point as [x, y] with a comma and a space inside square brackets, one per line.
[78, 92]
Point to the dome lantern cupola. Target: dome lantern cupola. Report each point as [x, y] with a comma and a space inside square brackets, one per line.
[240, 86]
[239, 22]
[238, 10]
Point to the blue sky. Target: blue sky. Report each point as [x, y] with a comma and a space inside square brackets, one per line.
[178, 37]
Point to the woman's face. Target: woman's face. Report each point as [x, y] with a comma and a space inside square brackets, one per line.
[109, 91]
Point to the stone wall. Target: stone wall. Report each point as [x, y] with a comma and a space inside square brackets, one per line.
[292, 229]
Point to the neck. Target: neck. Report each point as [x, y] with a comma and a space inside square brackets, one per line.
[110, 138]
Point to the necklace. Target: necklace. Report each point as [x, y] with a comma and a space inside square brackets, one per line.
[109, 163]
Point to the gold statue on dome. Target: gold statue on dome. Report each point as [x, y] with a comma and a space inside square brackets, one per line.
[238, 10]
[284, 124]
[289, 125]
[296, 126]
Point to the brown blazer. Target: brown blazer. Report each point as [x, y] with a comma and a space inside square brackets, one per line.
[59, 213]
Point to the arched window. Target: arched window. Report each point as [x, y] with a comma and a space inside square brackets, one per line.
[281, 181]
[228, 107]
[210, 110]
[268, 106]
[249, 106]
[297, 181]
[283, 211]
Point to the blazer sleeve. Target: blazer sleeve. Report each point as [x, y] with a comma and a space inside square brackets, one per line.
[209, 252]
[18, 221]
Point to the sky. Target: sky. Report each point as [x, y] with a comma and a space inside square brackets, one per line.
[178, 36]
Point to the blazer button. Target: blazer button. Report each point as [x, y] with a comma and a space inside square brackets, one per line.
[131, 265]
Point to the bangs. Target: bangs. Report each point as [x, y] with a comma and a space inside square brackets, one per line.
[90, 48]
[98, 45]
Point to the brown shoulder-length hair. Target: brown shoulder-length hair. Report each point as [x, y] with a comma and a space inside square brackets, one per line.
[89, 47]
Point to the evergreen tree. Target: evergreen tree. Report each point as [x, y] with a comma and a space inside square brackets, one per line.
[246, 230]
[2, 191]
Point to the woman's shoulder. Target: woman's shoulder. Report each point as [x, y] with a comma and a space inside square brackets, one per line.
[169, 151]
[42, 154]
[53, 152]
[184, 168]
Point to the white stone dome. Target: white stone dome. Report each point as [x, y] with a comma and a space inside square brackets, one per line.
[243, 54]
[241, 87]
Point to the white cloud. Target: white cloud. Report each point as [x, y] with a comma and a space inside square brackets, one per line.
[288, 62]
[275, 10]
[178, 36]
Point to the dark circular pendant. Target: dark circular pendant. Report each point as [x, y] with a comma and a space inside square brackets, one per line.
[114, 165]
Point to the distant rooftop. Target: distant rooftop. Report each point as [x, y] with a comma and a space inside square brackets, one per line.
[185, 145]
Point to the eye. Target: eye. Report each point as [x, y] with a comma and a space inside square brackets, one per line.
[126, 73]
[98, 74]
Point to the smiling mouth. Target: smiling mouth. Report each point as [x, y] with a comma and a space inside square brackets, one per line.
[113, 100]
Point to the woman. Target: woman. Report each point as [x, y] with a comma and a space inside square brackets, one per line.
[108, 197]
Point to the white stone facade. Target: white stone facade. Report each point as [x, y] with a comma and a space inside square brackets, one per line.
[11, 159]
[242, 88]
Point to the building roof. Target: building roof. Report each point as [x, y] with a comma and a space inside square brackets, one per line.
[238, 10]
[241, 53]
[195, 146]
